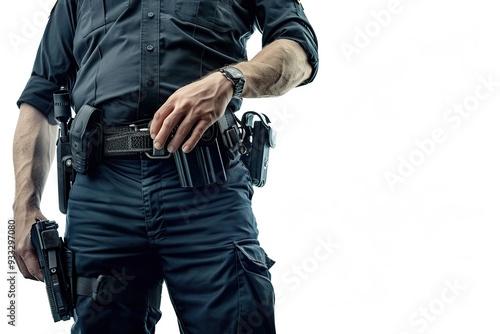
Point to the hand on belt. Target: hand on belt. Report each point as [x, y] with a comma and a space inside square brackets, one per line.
[131, 140]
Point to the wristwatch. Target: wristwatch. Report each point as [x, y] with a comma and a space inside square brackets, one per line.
[236, 77]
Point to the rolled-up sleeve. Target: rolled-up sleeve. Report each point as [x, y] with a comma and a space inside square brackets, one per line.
[285, 19]
[54, 64]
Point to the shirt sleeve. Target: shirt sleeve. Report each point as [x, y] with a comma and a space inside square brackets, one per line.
[54, 64]
[285, 19]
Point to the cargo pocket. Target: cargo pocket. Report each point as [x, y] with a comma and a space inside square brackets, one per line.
[256, 292]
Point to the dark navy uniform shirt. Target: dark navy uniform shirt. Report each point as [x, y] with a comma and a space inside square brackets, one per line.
[128, 56]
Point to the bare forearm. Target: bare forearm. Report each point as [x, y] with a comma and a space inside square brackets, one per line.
[33, 152]
[277, 68]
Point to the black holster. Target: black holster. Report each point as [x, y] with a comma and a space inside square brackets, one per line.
[259, 138]
[86, 136]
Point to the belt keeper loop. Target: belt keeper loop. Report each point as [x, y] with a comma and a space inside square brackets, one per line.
[235, 145]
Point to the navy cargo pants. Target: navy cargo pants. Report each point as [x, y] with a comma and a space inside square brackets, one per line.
[131, 220]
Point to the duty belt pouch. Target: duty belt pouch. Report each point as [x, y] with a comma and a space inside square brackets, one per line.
[260, 137]
[205, 164]
[86, 139]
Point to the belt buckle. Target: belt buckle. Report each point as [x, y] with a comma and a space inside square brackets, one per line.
[136, 127]
[158, 154]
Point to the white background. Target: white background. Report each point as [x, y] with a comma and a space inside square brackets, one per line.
[354, 254]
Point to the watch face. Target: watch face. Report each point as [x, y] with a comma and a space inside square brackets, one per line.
[234, 72]
[237, 78]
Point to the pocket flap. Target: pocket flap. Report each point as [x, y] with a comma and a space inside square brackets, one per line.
[253, 252]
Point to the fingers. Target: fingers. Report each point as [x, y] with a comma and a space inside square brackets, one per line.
[22, 267]
[162, 127]
[181, 133]
[187, 134]
[33, 266]
[25, 255]
[28, 266]
[159, 121]
[190, 111]
[195, 136]
[188, 123]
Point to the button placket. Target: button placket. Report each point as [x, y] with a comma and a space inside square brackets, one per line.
[149, 55]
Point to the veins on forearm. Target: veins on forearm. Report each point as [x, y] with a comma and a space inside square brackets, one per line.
[276, 69]
[33, 151]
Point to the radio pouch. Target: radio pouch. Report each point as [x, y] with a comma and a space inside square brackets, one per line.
[65, 171]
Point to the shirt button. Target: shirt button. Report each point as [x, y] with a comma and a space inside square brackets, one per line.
[150, 83]
[150, 48]
[151, 15]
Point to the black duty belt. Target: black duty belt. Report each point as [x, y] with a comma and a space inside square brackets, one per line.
[130, 140]
[135, 139]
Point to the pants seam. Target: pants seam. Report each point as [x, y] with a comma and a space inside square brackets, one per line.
[236, 266]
